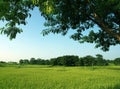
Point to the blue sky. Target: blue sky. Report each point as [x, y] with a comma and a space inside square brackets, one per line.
[31, 43]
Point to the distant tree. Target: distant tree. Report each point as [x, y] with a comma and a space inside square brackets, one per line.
[33, 61]
[38, 61]
[110, 61]
[53, 61]
[2, 62]
[24, 61]
[47, 62]
[99, 56]
[60, 60]
[68, 60]
[42, 62]
[57, 61]
[87, 61]
[81, 61]
[21, 61]
[117, 61]
[100, 60]
[12, 63]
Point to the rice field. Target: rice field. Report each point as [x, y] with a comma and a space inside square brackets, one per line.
[45, 77]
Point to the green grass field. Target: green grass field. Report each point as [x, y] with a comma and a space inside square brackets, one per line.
[44, 77]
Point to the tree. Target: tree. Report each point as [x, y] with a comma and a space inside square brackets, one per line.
[53, 61]
[87, 61]
[63, 15]
[21, 61]
[68, 60]
[100, 60]
[14, 12]
[24, 61]
[33, 61]
[117, 61]
[80, 15]
[38, 61]
[2, 63]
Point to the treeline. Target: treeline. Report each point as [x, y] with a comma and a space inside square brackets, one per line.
[34, 61]
[76, 61]
[72, 60]
[3, 64]
[68, 60]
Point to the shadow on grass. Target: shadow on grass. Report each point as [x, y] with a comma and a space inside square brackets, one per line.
[105, 67]
[114, 68]
[117, 86]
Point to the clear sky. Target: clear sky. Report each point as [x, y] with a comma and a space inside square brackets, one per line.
[31, 43]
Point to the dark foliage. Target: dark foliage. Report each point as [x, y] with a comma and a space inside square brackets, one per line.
[117, 61]
[64, 15]
[68, 60]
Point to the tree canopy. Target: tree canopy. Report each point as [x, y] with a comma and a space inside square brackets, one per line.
[64, 15]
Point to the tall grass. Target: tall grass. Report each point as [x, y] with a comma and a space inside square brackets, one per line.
[36, 77]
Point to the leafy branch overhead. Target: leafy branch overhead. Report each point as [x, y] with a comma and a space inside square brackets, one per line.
[64, 15]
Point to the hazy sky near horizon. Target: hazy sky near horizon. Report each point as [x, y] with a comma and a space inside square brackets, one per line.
[31, 43]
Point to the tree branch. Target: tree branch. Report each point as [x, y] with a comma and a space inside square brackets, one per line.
[96, 19]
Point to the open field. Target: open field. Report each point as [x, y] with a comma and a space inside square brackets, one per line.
[45, 77]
